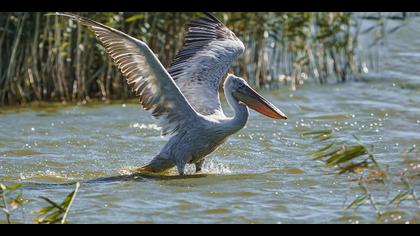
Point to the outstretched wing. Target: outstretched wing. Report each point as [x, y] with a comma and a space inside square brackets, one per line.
[208, 52]
[146, 76]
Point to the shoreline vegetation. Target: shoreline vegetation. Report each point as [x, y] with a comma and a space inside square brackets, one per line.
[49, 58]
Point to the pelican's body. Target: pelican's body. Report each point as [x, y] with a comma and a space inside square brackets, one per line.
[200, 138]
[185, 98]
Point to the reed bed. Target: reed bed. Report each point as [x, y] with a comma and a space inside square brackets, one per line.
[49, 58]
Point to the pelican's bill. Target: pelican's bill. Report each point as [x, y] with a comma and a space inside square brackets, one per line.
[258, 103]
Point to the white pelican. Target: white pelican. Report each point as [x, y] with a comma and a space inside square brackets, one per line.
[185, 98]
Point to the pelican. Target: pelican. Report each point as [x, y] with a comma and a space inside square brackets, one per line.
[184, 99]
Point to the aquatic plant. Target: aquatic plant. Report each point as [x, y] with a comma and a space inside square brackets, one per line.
[359, 160]
[52, 214]
[56, 213]
[9, 203]
[346, 158]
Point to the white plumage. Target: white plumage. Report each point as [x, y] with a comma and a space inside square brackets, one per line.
[185, 98]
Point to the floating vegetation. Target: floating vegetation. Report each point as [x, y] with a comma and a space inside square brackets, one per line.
[360, 160]
[19, 153]
[333, 117]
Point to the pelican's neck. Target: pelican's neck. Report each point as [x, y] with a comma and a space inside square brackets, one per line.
[241, 113]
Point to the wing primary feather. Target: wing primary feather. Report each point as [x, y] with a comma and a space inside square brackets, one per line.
[211, 16]
[208, 51]
[146, 76]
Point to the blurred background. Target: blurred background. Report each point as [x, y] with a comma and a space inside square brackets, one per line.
[49, 58]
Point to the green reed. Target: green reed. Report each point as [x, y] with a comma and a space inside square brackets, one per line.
[52, 214]
[49, 58]
[360, 161]
[9, 203]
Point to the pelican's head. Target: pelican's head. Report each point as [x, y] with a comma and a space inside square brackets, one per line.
[241, 91]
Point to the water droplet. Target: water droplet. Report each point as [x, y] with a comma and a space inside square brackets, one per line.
[32, 129]
[418, 121]
[124, 105]
[365, 68]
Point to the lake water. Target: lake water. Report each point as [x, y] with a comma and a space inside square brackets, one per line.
[261, 175]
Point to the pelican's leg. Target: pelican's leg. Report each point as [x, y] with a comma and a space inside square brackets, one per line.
[181, 167]
[199, 166]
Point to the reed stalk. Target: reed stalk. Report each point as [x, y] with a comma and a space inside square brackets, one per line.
[49, 58]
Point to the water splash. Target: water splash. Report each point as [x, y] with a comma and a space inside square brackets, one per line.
[214, 167]
[127, 170]
[145, 126]
[209, 167]
[47, 175]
